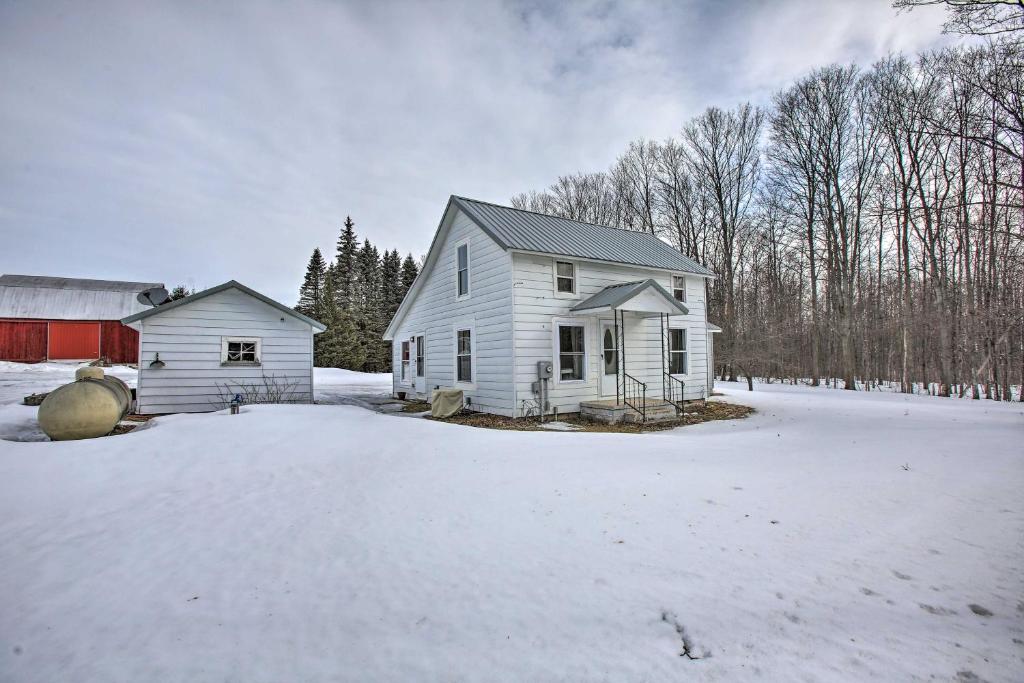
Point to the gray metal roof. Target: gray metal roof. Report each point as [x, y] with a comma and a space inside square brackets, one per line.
[60, 298]
[537, 232]
[614, 296]
[230, 284]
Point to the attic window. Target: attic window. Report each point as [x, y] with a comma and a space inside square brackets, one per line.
[679, 287]
[240, 351]
[565, 277]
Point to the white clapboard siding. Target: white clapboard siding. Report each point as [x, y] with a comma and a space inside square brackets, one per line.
[537, 309]
[436, 312]
[188, 339]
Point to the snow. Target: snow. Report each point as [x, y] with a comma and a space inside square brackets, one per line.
[831, 536]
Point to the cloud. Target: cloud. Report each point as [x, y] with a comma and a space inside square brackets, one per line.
[200, 142]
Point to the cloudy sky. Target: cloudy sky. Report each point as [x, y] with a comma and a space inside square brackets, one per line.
[197, 142]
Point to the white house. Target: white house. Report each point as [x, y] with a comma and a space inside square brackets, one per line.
[619, 314]
[196, 353]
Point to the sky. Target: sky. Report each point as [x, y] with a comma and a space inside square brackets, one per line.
[197, 142]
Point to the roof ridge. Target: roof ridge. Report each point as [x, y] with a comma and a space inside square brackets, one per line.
[562, 218]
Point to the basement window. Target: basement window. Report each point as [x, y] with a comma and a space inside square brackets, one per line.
[240, 351]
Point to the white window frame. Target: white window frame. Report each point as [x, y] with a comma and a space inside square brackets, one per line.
[224, 341]
[469, 269]
[464, 327]
[685, 351]
[574, 294]
[556, 349]
[404, 358]
[683, 288]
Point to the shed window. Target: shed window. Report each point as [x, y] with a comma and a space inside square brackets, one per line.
[571, 352]
[464, 356]
[565, 277]
[419, 355]
[239, 350]
[679, 287]
[405, 361]
[462, 258]
[677, 353]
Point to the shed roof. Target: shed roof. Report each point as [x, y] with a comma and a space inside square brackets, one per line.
[230, 284]
[529, 231]
[616, 296]
[62, 298]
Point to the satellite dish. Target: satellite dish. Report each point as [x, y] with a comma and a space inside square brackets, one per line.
[154, 296]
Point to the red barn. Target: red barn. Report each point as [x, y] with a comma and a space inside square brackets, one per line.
[57, 318]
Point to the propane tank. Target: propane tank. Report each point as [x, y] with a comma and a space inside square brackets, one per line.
[90, 406]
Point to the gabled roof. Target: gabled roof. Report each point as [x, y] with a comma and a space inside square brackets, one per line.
[230, 284]
[536, 232]
[516, 229]
[614, 296]
[62, 298]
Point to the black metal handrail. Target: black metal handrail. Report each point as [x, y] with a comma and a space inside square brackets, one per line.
[634, 394]
[676, 391]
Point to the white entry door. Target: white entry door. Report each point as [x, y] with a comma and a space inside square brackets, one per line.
[420, 371]
[609, 359]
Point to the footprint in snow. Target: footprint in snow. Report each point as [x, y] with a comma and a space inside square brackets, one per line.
[937, 611]
[979, 610]
[901, 575]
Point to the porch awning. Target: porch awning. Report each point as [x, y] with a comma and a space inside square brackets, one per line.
[642, 296]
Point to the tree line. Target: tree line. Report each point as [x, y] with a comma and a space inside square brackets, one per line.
[865, 227]
[355, 295]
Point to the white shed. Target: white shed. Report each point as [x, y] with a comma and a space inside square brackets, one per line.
[197, 353]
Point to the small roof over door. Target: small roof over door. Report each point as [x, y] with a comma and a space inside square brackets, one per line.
[644, 297]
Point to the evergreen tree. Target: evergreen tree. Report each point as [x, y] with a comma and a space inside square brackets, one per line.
[311, 292]
[391, 284]
[180, 292]
[345, 264]
[369, 314]
[338, 346]
[409, 272]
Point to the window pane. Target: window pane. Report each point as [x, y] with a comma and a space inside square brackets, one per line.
[564, 269]
[570, 339]
[463, 282]
[611, 362]
[677, 363]
[565, 284]
[677, 340]
[571, 366]
[463, 257]
[420, 352]
[405, 350]
[465, 342]
[465, 366]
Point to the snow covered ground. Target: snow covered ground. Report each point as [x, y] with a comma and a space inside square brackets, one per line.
[831, 536]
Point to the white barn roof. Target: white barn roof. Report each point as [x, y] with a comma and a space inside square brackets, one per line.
[60, 298]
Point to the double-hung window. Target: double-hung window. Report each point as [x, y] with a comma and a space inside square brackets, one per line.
[462, 269]
[565, 277]
[678, 356]
[464, 355]
[420, 353]
[571, 353]
[679, 287]
[405, 361]
[240, 351]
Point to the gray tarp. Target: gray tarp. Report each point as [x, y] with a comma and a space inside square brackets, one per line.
[445, 402]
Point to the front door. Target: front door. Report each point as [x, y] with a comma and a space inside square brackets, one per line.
[609, 359]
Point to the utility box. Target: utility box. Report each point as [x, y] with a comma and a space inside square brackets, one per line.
[544, 369]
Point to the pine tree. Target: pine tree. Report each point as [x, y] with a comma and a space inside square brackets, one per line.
[391, 284]
[311, 292]
[409, 272]
[345, 264]
[368, 312]
[338, 346]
